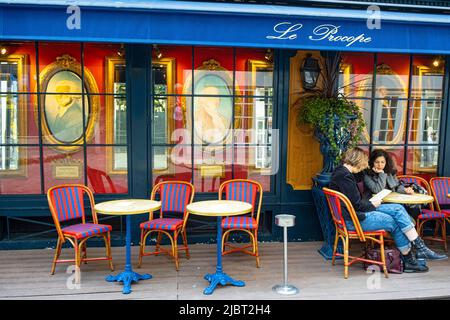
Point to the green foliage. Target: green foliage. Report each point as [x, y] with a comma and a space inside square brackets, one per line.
[333, 118]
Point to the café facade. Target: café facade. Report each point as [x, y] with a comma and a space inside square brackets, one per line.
[121, 95]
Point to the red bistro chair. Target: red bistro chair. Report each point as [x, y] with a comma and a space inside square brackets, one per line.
[242, 190]
[440, 186]
[428, 214]
[174, 196]
[335, 201]
[66, 203]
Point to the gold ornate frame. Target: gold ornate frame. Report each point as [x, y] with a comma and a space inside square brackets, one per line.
[110, 63]
[68, 63]
[346, 69]
[253, 66]
[384, 69]
[22, 105]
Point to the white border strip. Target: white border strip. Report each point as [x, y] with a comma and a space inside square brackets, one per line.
[243, 9]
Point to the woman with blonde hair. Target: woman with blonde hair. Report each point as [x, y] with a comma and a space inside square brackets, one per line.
[373, 215]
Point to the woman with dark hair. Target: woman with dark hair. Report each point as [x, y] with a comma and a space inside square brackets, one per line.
[373, 215]
[382, 175]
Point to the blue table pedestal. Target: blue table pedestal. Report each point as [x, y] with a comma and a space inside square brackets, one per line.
[128, 275]
[220, 277]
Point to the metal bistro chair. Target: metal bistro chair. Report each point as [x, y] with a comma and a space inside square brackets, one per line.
[66, 203]
[242, 190]
[428, 214]
[440, 186]
[174, 197]
[335, 201]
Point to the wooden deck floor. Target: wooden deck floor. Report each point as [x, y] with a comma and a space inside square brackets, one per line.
[24, 274]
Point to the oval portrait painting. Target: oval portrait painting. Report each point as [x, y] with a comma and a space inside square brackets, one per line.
[212, 110]
[63, 108]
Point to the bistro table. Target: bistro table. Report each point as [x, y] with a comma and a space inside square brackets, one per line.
[416, 198]
[219, 209]
[127, 208]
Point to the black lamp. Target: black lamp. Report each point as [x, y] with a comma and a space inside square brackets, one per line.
[309, 72]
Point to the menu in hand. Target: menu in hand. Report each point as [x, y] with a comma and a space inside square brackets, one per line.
[380, 195]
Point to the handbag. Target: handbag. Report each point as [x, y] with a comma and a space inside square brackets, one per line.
[394, 262]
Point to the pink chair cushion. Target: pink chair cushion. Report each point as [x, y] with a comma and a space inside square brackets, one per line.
[169, 224]
[83, 230]
[239, 223]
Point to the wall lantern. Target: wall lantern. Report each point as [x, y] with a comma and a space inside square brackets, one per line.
[309, 72]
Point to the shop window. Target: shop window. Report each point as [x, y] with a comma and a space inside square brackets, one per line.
[411, 136]
[66, 89]
[220, 116]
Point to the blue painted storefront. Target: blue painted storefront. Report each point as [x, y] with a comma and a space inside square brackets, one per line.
[225, 25]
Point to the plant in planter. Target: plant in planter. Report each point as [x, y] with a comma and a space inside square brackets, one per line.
[338, 124]
[337, 121]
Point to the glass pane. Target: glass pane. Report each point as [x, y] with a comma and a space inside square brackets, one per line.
[108, 120]
[389, 121]
[18, 115]
[253, 116]
[356, 74]
[365, 107]
[392, 76]
[62, 116]
[61, 168]
[18, 67]
[212, 119]
[171, 66]
[172, 163]
[169, 119]
[428, 77]
[107, 169]
[106, 76]
[424, 123]
[422, 160]
[212, 166]
[20, 170]
[255, 163]
[254, 72]
[397, 154]
[60, 67]
[213, 71]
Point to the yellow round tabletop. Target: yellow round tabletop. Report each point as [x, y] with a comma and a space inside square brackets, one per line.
[416, 198]
[219, 208]
[127, 206]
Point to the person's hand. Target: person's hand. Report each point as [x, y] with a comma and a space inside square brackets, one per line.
[409, 190]
[376, 203]
[377, 170]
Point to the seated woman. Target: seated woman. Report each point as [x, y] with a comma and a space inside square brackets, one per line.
[376, 216]
[381, 174]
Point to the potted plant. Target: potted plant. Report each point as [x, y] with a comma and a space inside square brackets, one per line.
[338, 124]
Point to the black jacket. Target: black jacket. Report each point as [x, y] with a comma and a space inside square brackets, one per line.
[345, 182]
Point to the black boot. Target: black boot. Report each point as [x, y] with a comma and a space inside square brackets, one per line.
[423, 252]
[410, 264]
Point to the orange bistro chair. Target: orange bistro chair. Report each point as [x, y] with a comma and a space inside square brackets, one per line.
[242, 190]
[335, 201]
[174, 197]
[66, 203]
[440, 187]
[428, 214]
